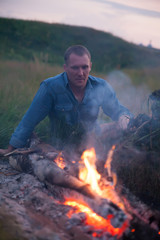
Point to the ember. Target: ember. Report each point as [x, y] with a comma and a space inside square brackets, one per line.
[60, 161]
[94, 220]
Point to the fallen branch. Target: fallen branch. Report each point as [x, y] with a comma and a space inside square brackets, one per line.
[22, 151]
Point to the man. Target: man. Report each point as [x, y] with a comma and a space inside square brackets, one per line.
[72, 101]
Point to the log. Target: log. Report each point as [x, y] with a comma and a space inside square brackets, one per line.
[48, 171]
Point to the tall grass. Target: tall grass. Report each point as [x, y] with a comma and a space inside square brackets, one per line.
[19, 81]
[149, 76]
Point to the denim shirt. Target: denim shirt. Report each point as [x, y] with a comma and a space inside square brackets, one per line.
[55, 99]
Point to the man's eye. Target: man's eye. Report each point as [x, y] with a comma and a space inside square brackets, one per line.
[84, 67]
[75, 68]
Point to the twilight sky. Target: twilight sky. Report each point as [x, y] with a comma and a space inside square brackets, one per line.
[136, 21]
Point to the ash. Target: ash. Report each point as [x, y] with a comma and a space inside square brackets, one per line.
[30, 209]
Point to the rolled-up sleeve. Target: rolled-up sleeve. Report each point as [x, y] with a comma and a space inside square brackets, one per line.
[37, 111]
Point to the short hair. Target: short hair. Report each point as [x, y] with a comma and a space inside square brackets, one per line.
[78, 50]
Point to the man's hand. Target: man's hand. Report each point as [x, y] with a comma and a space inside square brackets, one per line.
[123, 121]
[5, 151]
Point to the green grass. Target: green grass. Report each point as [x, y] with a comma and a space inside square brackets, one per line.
[19, 81]
[25, 40]
[149, 76]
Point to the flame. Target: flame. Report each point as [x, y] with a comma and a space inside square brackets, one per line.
[89, 175]
[60, 161]
[109, 160]
[93, 219]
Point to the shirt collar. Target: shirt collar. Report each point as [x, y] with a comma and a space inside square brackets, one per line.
[65, 79]
[88, 86]
[89, 83]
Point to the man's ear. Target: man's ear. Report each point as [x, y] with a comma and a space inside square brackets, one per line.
[90, 66]
[64, 67]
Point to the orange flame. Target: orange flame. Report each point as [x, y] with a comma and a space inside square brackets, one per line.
[89, 175]
[93, 219]
[109, 159]
[60, 161]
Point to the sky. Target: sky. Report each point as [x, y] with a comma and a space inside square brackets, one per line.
[136, 21]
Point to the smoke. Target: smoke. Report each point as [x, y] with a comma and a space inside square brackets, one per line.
[135, 98]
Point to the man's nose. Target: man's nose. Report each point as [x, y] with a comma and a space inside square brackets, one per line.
[80, 71]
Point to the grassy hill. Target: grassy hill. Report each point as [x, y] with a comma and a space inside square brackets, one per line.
[27, 40]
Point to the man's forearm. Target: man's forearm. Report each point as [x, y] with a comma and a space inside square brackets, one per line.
[8, 150]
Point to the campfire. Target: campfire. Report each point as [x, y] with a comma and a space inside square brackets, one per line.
[103, 189]
[83, 202]
[107, 220]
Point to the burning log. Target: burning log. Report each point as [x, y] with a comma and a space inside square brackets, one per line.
[113, 218]
[103, 219]
[48, 171]
[45, 169]
[103, 212]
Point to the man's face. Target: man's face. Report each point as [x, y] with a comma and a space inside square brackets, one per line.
[78, 69]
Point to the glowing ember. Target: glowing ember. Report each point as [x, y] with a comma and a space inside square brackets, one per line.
[94, 220]
[60, 161]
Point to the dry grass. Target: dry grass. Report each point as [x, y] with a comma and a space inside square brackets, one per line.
[148, 76]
